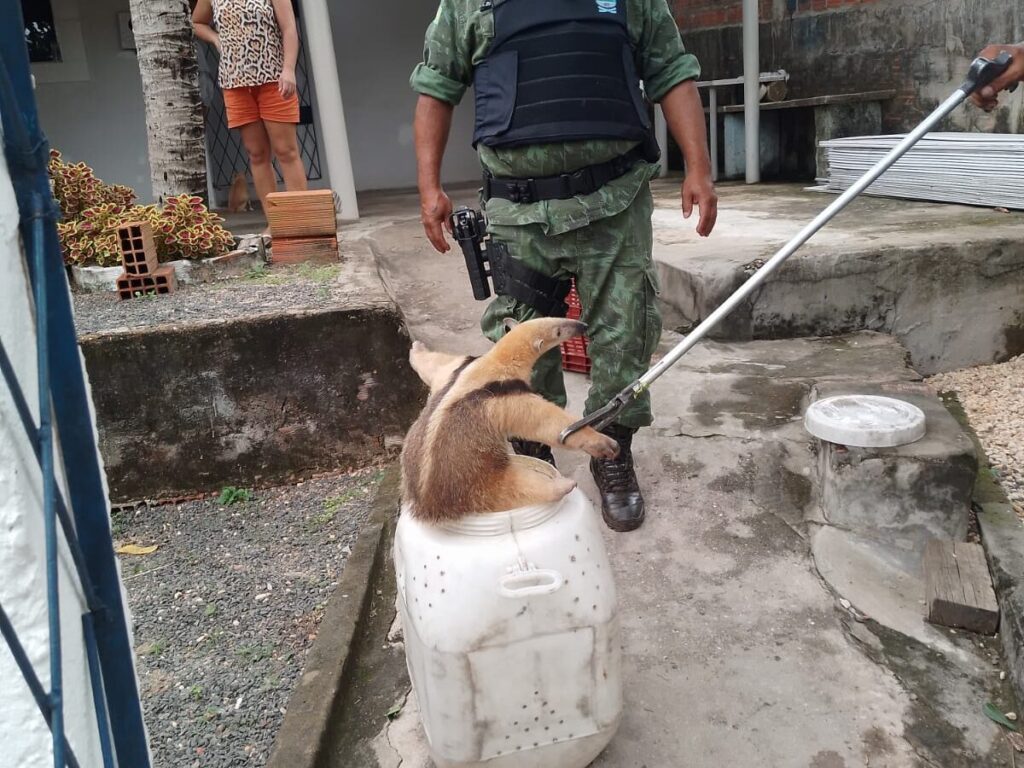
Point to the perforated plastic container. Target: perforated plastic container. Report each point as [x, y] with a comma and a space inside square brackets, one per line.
[511, 635]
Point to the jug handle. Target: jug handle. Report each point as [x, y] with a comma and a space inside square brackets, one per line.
[530, 583]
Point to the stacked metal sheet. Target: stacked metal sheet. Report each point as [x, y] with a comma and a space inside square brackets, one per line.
[968, 168]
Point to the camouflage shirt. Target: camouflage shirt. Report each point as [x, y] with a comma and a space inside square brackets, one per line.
[459, 38]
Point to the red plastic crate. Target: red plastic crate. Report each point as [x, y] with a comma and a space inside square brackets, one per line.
[573, 300]
[574, 351]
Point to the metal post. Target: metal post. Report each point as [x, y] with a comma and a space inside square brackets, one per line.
[46, 467]
[752, 89]
[317, 24]
[27, 154]
[713, 130]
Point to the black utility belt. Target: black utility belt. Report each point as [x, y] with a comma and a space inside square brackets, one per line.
[585, 181]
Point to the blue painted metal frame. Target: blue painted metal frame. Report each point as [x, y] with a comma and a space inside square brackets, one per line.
[108, 643]
[37, 224]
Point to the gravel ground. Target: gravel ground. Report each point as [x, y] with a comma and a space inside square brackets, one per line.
[284, 287]
[227, 607]
[993, 397]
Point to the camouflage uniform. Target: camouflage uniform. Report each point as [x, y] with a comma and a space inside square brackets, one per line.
[603, 239]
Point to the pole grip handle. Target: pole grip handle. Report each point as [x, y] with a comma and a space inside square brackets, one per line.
[984, 71]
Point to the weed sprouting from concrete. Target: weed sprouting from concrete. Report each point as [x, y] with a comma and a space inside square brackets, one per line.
[232, 495]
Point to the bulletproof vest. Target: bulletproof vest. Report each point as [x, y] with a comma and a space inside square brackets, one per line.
[558, 70]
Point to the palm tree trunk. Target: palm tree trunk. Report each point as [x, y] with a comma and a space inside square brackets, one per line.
[170, 89]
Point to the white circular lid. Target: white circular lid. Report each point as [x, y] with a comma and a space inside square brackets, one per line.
[865, 421]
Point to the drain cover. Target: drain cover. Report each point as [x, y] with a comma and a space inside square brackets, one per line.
[865, 421]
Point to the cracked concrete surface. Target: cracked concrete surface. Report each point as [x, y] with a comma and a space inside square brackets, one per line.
[948, 281]
[736, 650]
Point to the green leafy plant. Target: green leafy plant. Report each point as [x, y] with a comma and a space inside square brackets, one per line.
[155, 648]
[232, 495]
[77, 189]
[183, 228]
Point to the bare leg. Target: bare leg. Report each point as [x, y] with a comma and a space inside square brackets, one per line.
[285, 146]
[257, 145]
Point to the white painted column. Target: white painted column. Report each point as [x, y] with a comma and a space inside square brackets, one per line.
[661, 134]
[752, 89]
[334, 140]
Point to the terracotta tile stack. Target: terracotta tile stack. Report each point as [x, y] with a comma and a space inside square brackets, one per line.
[303, 226]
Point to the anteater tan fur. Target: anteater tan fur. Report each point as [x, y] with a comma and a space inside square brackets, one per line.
[455, 460]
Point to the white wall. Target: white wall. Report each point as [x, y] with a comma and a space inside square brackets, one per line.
[23, 732]
[377, 44]
[90, 106]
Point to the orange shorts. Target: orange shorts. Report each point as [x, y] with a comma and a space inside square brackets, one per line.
[259, 102]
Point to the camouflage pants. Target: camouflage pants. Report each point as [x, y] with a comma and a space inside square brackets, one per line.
[618, 287]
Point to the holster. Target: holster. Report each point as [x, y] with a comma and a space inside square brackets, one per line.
[511, 278]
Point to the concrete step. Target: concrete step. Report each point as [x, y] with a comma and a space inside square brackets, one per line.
[947, 281]
[904, 495]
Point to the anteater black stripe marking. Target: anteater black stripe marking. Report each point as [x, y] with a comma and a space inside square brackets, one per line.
[495, 389]
[455, 377]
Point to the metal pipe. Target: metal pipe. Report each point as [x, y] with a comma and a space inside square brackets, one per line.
[752, 89]
[797, 242]
[49, 485]
[765, 77]
[713, 130]
[99, 700]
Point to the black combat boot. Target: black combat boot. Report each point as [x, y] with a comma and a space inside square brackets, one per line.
[536, 450]
[622, 504]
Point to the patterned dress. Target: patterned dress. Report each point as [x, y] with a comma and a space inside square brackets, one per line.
[251, 48]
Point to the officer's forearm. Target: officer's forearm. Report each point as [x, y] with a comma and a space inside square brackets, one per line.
[684, 114]
[431, 127]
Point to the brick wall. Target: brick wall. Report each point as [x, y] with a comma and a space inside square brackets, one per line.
[920, 48]
[705, 14]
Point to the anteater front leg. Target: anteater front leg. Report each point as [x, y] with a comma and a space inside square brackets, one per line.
[531, 417]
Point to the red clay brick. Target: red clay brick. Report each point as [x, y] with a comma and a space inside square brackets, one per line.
[162, 281]
[138, 251]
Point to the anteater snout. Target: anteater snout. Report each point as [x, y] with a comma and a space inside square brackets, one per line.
[575, 328]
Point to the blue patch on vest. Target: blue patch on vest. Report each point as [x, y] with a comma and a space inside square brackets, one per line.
[608, 6]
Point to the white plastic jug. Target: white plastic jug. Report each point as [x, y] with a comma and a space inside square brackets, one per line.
[511, 635]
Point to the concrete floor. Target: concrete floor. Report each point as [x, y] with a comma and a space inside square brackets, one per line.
[736, 651]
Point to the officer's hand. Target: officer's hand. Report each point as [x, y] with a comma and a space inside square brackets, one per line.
[699, 190]
[435, 213]
[988, 97]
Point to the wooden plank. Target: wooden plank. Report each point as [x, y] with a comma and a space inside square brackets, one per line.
[297, 250]
[301, 214]
[975, 576]
[958, 587]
